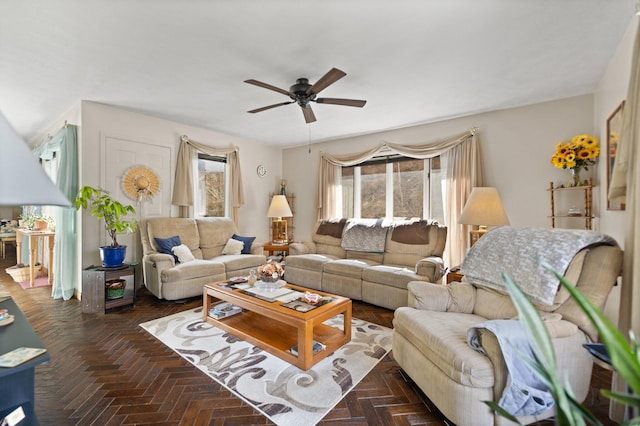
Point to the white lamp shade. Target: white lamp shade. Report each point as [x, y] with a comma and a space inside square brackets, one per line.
[484, 208]
[279, 207]
[22, 180]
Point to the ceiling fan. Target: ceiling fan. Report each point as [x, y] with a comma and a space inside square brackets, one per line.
[303, 93]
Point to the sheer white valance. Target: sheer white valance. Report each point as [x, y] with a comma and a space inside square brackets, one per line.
[183, 187]
[460, 153]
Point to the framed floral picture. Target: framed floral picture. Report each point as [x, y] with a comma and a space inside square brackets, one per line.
[614, 126]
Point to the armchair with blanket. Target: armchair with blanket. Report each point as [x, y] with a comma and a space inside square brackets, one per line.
[448, 338]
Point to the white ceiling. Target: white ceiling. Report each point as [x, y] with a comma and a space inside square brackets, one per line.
[413, 61]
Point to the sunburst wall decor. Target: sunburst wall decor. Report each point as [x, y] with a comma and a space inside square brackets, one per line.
[140, 183]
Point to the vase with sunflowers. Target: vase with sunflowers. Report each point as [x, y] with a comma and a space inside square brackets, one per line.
[577, 154]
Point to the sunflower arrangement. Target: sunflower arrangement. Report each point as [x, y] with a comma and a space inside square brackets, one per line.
[270, 272]
[578, 153]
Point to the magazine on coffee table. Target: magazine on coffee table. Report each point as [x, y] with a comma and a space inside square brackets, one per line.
[269, 295]
[235, 282]
[299, 305]
[286, 298]
[317, 347]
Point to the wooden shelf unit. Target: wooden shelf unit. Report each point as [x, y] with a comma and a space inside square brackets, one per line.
[587, 217]
[94, 299]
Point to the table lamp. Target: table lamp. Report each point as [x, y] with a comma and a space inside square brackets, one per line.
[483, 209]
[278, 209]
[22, 180]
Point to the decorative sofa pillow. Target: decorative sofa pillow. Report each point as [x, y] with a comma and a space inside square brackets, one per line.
[233, 247]
[183, 253]
[247, 242]
[166, 244]
[332, 227]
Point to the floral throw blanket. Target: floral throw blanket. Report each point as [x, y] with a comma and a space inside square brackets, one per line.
[519, 252]
[368, 235]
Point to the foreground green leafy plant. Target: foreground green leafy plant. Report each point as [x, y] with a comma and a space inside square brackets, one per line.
[624, 357]
[104, 207]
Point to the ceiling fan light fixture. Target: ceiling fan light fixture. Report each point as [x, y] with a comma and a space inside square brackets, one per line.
[303, 93]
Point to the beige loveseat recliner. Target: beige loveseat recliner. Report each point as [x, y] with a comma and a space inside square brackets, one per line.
[430, 335]
[206, 239]
[368, 259]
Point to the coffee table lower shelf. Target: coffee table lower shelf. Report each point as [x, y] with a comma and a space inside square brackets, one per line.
[275, 330]
[276, 337]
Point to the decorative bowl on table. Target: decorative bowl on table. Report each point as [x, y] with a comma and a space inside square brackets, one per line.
[270, 276]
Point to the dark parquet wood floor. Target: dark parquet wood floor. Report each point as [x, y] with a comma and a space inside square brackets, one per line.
[106, 370]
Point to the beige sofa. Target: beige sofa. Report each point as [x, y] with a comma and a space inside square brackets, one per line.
[430, 335]
[368, 260]
[206, 238]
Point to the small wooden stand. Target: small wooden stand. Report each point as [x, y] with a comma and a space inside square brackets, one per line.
[94, 299]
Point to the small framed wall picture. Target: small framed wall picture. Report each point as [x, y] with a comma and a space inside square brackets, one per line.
[261, 170]
[614, 127]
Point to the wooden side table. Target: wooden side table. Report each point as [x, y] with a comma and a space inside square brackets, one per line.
[94, 278]
[274, 248]
[454, 277]
[33, 237]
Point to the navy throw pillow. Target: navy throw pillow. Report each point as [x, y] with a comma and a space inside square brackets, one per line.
[166, 244]
[247, 243]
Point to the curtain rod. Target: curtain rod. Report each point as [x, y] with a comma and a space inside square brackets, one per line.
[472, 131]
[64, 126]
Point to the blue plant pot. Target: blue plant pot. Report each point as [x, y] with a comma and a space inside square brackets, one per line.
[112, 257]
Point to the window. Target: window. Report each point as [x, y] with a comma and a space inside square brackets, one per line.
[212, 187]
[50, 166]
[393, 187]
[408, 188]
[373, 190]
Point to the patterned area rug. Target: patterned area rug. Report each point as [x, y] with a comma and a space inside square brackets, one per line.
[284, 393]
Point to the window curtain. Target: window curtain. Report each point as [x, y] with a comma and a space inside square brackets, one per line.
[461, 153]
[183, 188]
[624, 188]
[65, 144]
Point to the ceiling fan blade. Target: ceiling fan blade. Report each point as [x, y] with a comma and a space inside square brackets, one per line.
[270, 106]
[309, 116]
[329, 78]
[337, 101]
[267, 86]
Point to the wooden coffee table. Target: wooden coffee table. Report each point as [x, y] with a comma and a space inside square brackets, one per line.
[276, 328]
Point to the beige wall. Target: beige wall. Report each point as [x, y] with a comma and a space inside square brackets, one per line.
[8, 212]
[102, 124]
[516, 145]
[612, 90]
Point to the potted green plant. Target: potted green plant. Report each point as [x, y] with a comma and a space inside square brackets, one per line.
[116, 219]
[36, 221]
